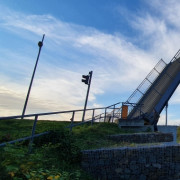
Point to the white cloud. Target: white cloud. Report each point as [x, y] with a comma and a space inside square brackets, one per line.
[176, 97]
[110, 54]
[158, 29]
[71, 50]
[168, 10]
[172, 119]
[162, 121]
[150, 25]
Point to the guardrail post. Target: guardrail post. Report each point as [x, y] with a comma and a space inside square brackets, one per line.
[93, 117]
[32, 134]
[105, 114]
[72, 120]
[99, 117]
[113, 113]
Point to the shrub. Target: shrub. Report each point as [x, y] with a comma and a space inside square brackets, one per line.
[5, 138]
[61, 144]
[52, 158]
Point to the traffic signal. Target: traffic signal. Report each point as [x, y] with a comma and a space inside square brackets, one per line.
[85, 79]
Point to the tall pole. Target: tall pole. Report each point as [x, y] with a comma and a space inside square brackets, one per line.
[40, 44]
[89, 84]
[166, 113]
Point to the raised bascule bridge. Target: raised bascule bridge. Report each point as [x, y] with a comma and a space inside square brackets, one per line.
[141, 111]
[151, 96]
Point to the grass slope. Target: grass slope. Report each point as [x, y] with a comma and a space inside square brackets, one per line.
[85, 136]
[54, 156]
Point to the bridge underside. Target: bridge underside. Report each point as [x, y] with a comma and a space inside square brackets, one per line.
[152, 95]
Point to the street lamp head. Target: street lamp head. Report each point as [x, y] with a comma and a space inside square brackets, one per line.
[40, 44]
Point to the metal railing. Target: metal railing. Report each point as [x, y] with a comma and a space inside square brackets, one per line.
[100, 117]
[176, 56]
[141, 90]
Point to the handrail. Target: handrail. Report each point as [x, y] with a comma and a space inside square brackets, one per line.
[22, 139]
[45, 114]
[175, 56]
[58, 112]
[94, 118]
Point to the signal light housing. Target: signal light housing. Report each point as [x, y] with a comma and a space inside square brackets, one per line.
[85, 79]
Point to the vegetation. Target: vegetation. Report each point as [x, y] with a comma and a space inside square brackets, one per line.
[85, 137]
[56, 159]
[56, 155]
[14, 129]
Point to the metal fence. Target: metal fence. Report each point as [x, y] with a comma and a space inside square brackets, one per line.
[107, 115]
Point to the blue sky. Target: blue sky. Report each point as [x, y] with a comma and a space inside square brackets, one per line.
[120, 40]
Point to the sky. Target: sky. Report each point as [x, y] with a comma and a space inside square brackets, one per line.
[119, 40]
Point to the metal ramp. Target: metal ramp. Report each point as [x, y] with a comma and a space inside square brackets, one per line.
[155, 90]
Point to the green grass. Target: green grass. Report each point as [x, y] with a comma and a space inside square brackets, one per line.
[14, 129]
[53, 154]
[85, 136]
[92, 137]
[56, 154]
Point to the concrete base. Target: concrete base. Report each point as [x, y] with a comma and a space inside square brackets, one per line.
[169, 129]
[141, 138]
[150, 128]
[130, 122]
[147, 128]
[134, 125]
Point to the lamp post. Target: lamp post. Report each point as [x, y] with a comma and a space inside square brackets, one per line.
[40, 44]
